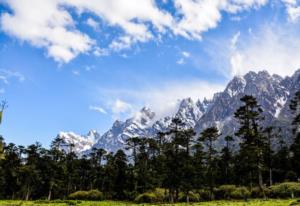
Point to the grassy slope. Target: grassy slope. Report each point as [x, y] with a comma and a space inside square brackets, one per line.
[112, 203]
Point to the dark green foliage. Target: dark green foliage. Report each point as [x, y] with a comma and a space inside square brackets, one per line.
[252, 146]
[225, 191]
[240, 193]
[191, 196]
[285, 190]
[148, 197]
[87, 195]
[208, 137]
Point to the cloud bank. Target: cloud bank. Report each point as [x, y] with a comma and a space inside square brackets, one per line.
[50, 24]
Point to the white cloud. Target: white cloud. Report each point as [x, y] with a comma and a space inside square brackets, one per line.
[49, 24]
[120, 107]
[293, 9]
[6, 75]
[186, 54]
[98, 109]
[45, 24]
[180, 61]
[163, 99]
[271, 48]
[92, 23]
[76, 72]
[199, 16]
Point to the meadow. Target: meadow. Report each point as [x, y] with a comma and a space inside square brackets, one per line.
[290, 202]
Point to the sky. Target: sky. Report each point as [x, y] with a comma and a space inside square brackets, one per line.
[77, 65]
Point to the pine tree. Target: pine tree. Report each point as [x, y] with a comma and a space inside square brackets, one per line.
[226, 161]
[208, 137]
[295, 147]
[252, 143]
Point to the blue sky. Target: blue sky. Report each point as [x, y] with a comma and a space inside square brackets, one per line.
[76, 65]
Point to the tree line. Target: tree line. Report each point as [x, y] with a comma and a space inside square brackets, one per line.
[178, 160]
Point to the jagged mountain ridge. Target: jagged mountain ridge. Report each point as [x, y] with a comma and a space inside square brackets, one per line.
[273, 93]
[78, 143]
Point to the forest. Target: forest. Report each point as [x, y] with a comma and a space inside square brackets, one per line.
[174, 166]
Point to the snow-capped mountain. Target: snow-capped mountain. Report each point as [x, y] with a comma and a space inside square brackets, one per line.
[78, 143]
[137, 126]
[273, 93]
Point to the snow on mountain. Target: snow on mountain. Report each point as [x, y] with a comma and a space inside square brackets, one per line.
[78, 143]
[137, 126]
[272, 92]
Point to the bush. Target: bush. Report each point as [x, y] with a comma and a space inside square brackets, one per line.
[148, 197]
[193, 197]
[160, 194]
[285, 190]
[204, 195]
[256, 192]
[240, 193]
[224, 191]
[86, 195]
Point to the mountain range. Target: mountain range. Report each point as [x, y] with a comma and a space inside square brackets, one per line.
[272, 92]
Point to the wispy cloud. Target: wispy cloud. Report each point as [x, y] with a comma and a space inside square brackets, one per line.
[162, 99]
[75, 72]
[184, 55]
[98, 109]
[180, 61]
[271, 48]
[7, 75]
[92, 23]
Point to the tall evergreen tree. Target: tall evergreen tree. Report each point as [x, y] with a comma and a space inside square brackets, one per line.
[226, 161]
[253, 142]
[295, 147]
[208, 137]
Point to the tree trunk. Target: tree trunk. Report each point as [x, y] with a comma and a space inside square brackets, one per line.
[27, 193]
[260, 181]
[49, 194]
[271, 177]
[187, 197]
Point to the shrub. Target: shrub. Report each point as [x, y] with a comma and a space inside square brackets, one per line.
[147, 197]
[285, 190]
[86, 195]
[95, 195]
[204, 195]
[256, 192]
[240, 193]
[160, 194]
[224, 191]
[193, 197]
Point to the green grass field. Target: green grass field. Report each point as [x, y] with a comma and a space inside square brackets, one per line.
[113, 203]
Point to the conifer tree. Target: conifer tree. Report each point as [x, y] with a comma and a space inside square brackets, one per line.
[208, 137]
[295, 147]
[226, 161]
[252, 145]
